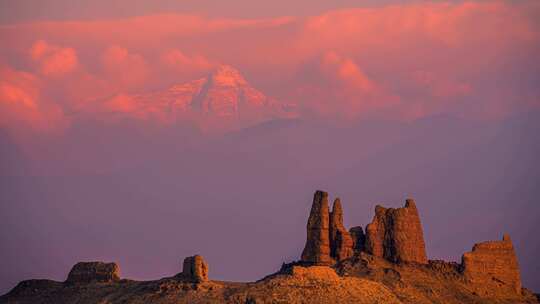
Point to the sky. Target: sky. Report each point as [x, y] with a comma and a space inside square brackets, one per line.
[26, 10]
[436, 100]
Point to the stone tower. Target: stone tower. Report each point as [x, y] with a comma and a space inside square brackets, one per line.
[341, 243]
[396, 235]
[317, 249]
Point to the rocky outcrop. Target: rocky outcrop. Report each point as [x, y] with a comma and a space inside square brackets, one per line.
[387, 264]
[341, 243]
[396, 234]
[195, 269]
[316, 284]
[317, 249]
[492, 268]
[87, 272]
[34, 287]
[358, 238]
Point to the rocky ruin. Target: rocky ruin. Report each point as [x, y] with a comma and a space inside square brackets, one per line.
[492, 267]
[195, 269]
[327, 239]
[397, 235]
[86, 272]
[394, 234]
[317, 248]
[386, 264]
[341, 242]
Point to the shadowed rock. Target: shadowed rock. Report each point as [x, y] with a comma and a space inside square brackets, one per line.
[492, 268]
[33, 287]
[358, 238]
[195, 269]
[396, 234]
[87, 272]
[341, 243]
[317, 249]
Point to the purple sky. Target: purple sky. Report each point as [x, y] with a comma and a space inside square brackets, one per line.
[438, 101]
[28, 10]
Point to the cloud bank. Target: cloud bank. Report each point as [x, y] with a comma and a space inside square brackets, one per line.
[474, 59]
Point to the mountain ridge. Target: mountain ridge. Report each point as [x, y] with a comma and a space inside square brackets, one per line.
[224, 93]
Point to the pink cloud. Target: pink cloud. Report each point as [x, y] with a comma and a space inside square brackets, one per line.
[134, 32]
[125, 69]
[339, 88]
[403, 60]
[178, 61]
[401, 25]
[122, 104]
[17, 96]
[438, 86]
[22, 106]
[53, 60]
[345, 70]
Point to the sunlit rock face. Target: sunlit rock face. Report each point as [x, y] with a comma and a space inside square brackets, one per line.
[341, 243]
[327, 239]
[397, 235]
[87, 272]
[317, 249]
[195, 269]
[492, 268]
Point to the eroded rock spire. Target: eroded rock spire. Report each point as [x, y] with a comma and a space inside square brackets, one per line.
[317, 249]
[341, 243]
[397, 235]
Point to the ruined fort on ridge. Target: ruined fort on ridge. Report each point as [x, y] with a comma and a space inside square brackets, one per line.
[385, 262]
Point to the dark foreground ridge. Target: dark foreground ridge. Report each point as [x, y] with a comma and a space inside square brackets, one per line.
[385, 263]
